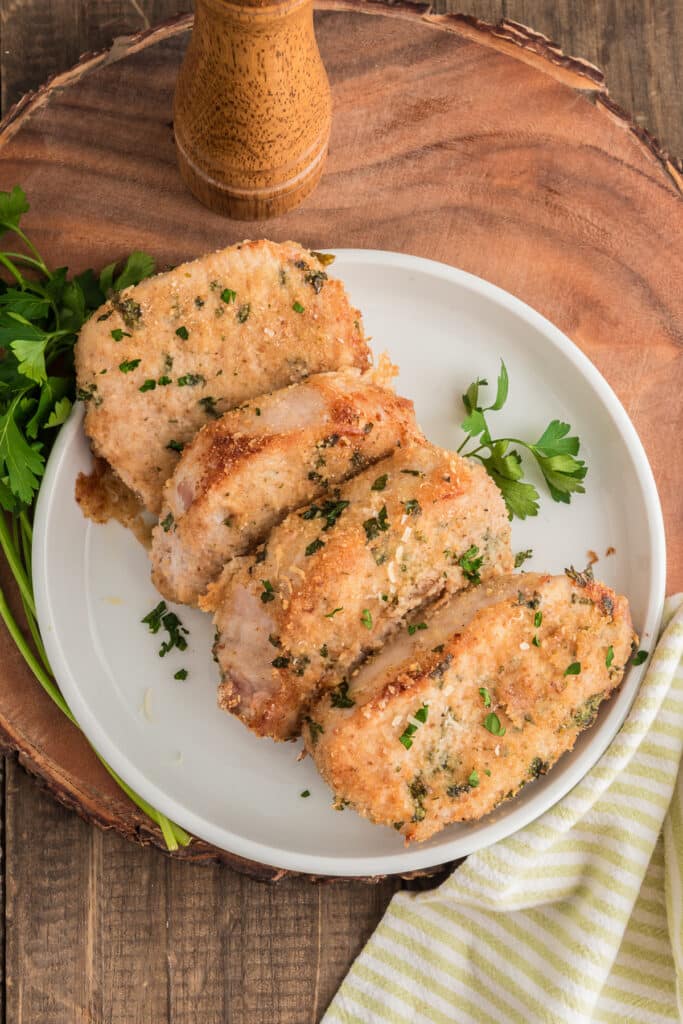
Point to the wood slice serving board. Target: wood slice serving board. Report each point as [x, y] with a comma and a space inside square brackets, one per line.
[483, 147]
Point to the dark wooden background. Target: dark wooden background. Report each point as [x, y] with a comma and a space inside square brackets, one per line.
[93, 929]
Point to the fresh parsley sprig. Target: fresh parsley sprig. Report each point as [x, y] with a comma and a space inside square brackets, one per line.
[41, 312]
[554, 453]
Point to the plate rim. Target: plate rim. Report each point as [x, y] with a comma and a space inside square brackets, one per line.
[415, 857]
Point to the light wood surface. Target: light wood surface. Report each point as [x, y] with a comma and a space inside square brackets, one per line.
[99, 929]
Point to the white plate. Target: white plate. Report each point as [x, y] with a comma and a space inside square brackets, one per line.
[202, 767]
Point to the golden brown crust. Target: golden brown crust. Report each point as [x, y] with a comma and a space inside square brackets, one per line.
[252, 317]
[539, 653]
[338, 591]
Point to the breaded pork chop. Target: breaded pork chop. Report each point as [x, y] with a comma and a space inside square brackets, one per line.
[335, 582]
[158, 360]
[244, 472]
[491, 688]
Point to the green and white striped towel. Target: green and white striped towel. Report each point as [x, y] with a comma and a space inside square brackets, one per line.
[576, 919]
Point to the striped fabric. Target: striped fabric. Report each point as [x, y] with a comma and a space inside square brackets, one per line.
[577, 919]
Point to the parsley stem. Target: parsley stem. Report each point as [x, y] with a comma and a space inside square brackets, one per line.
[16, 274]
[15, 564]
[47, 684]
[31, 247]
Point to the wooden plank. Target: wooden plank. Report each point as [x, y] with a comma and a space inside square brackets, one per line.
[101, 930]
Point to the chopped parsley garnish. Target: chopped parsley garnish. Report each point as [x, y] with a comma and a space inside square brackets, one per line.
[412, 507]
[485, 696]
[538, 619]
[267, 592]
[153, 618]
[314, 546]
[610, 656]
[305, 793]
[492, 723]
[573, 669]
[167, 522]
[118, 334]
[536, 642]
[639, 658]
[471, 565]
[190, 380]
[380, 483]
[323, 257]
[329, 511]
[175, 446]
[149, 385]
[316, 279]
[228, 295]
[181, 674]
[199, 301]
[420, 717]
[331, 615]
[366, 618]
[413, 628]
[183, 333]
[160, 616]
[538, 767]
[297, 307]
[315, 729]
[438, 649]
[339, 698]
[521, 557]
[412, 472]
[128, 364]
[208, 404]
[163, 381]
[243, 312]
[473, 779]
[377, 524]
[324, 652]
[554, 452]
[280, 662]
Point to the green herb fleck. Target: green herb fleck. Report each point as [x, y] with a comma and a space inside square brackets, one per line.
[331, 615]
[228, 295]
[485, 696]
[339, 698]
[413, 628]
[380, 483]
[377, 524]
[164, 381]
[471, 565]
[412, 507]
[243, 312]
[118, 334]
[315, 729]
[420, 717]
[305, 793]
[314, 546]
[521, 557]
[573, 670]
[167, 523]
[280, 662]
[267, 593]
[640, 657]
[128, 364]
[183, 333]
[538, 619]
[181, 674]
[190, 380]
[149, 385]
[473, 780]
[366, 618]
[297, 307]
[610, 656]
[175, 446]
[492, 723]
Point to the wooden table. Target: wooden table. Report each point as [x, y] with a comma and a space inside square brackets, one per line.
[97, 929]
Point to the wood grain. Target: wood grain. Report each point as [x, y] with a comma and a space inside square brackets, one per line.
[252, 109]
[209, 966]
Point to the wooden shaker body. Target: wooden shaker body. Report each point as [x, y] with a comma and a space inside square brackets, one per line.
[252, 108]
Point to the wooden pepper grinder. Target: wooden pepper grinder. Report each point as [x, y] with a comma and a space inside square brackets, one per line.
[252, 109]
